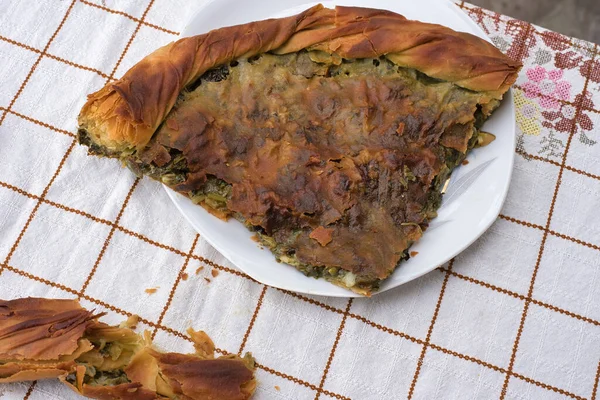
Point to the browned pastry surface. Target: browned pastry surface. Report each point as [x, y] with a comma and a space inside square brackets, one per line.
[330, 133]
[126, 113]
[46, 338]
[333, 151]
[41, 329]
[205, 379]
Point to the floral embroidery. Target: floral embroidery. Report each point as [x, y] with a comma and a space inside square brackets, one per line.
[564, 119]
[568, 118]
[584, 48]
[528, 114]
[491, 24]
[555, 40]
[542, 57]
[561, 120]
[546, 87]
[592, 69]
[545, 111]
[501, 43]
[552, 146]
[507, 37]
[567, 60]
[586, 140]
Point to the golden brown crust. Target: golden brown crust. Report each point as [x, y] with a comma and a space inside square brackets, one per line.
[195, 378]
[41, 329]
[125, 114]
[45, 338]
[19, 372]
[438, 51]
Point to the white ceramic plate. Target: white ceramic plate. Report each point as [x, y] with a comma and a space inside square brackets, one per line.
[471, 204]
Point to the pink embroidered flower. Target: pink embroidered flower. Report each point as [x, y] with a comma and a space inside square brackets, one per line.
[529, 110]
[546, 87]
[567, 119]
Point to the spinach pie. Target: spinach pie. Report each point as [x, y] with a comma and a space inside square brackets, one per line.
[58, 339]
[330, 133]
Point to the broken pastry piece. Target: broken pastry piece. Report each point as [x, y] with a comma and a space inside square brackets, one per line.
[47, 338]
[330, 133]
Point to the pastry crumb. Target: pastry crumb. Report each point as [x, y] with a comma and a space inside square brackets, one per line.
[207, 280]
[465, 162]
[130, 322]
[184, 276]
[255, 238]
[151, 290]
[214, 273]
[200, 268]
[322, 235]
[277, 388]
[413, 253]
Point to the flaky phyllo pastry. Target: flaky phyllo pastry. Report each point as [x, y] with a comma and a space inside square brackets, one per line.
[330, 133]
[46, 338]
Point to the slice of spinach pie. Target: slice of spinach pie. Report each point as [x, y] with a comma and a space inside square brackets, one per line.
[44, 338]
[329, 133]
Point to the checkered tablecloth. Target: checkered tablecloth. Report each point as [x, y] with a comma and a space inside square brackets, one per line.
[516, 316]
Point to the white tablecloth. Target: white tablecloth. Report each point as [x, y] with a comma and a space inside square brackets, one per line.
[515, 316]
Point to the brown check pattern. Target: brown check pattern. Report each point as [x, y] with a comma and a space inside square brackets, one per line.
[517, 315]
